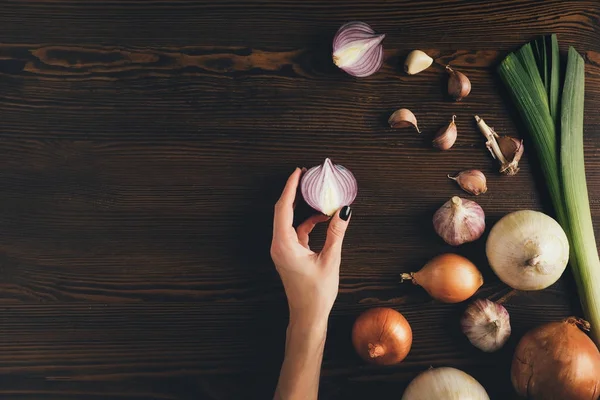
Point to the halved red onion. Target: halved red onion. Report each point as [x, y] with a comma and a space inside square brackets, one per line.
[357, 49]
[328, 187]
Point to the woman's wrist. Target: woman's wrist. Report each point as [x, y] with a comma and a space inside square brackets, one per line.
[308, 322]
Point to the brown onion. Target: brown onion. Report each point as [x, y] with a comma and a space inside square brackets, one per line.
[382, 336]
[449, 278]
[557, 361]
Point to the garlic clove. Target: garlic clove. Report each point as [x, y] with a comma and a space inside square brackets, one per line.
[459, 86]
[486, 324]
[512, 149]
[403, 118]
[416, 62]
[328, 187]
[357, 49]
[471, 181]
[459, 221]
[446, 136]
[507, 150]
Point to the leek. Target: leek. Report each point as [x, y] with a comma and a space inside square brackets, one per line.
[532, 77]
[529, 94]
[587, 264]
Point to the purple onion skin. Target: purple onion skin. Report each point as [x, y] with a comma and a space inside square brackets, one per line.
[366, 44]
[328, 187]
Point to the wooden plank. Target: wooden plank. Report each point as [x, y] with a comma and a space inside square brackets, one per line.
[195, 350]
[143, 145]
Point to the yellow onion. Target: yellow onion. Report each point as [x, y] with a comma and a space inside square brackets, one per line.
[449, 278]
[382, 336]
[557, 361]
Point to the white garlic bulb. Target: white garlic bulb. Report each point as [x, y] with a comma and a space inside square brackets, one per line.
[459, 221]
[486, 324]
[444, 383]
[528, 250]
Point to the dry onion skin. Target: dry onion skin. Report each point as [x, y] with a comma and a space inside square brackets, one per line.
[557, 361]
[382, 336]
[528, 250]
[449, 278]
[444, 383]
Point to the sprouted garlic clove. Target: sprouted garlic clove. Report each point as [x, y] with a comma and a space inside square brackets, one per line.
[446, 136]
[507, 150]
[416, 62]
[403, 118]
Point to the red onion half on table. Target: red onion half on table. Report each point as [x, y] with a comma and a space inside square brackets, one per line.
[357, 49]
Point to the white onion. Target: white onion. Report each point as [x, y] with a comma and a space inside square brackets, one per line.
[528, 250]
[444, 383]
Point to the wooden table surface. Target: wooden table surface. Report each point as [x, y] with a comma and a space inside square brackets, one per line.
[144, 143]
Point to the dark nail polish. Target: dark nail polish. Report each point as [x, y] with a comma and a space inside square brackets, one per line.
[345, 213]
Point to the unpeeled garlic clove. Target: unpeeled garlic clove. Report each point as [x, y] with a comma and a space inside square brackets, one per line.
[416, 62]
[459, 86]
[507, 150]
[459, 221]
[403, 118]
[446, 136]
[486, 324]
[471, 181]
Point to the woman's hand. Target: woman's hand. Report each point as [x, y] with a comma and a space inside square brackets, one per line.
[311, 284]
[310, 279]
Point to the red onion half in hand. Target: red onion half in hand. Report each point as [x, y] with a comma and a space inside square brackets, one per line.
[328, 187]
[357, 49]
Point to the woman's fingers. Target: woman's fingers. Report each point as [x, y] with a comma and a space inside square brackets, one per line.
[303, 170]
[305, 228]
[335, 234]
[284, 208]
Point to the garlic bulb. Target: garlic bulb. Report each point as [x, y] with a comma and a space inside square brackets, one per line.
[486, 324]
[444, 383]
[357, 49]
[459, 221]
[328, 187]
[528, 250]
[416, 62]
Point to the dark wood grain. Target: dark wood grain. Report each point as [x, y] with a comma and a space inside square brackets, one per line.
[144, 143]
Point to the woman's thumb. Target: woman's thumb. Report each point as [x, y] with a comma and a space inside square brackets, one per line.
[336, 231]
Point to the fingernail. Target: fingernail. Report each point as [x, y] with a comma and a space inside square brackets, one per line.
[345, 213]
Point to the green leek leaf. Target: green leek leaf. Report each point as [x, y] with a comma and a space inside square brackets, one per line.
[583, 243]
